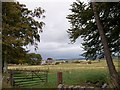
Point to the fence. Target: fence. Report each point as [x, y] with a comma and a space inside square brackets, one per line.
[23, 78]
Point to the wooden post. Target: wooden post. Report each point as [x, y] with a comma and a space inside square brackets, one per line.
[11, 78]
[46, 76]
[32, 74]
[59, 77]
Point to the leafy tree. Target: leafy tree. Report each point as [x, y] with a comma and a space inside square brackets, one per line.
[96, 24]
[33, 59]
[19, 28]
[83, 25]
[111, 67]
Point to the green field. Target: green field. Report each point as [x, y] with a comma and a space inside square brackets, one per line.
[73, 73]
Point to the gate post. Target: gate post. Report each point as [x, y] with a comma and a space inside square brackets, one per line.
[59, 77]
[46, 76]
[11, 78]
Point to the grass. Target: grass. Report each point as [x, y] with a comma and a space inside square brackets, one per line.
[73, 73]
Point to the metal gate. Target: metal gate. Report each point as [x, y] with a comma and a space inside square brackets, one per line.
[28, 77]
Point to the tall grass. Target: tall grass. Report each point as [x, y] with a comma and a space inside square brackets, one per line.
[73, 73]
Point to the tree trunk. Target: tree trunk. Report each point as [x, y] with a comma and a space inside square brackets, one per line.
[5, 67]
[4, 63]
[113, 73]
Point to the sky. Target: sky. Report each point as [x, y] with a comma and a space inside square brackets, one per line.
[55, 42]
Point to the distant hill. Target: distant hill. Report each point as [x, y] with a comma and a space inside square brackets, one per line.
[82, 58]
[71, 59]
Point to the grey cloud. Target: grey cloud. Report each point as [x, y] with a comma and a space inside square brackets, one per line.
[62, 51]
[54, 39]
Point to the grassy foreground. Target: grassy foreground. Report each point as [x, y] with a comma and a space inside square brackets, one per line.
[73, 73]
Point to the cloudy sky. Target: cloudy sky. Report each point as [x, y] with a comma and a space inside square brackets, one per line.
[54, 39]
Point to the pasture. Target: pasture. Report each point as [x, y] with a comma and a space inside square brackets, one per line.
[81, 73]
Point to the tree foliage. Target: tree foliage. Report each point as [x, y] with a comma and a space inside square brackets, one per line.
[83, 25]
[20, 27]
[33, 59]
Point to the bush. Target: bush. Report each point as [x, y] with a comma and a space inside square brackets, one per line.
[57, 63]
[89, 62]
[76, 61]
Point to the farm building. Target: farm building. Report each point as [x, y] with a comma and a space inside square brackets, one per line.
[49, 60]
[43, 62]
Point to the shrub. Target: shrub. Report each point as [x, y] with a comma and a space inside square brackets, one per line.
[76, 61]
[89, 62]
[57, 63]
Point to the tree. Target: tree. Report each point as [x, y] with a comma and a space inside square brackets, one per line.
[85, 26]
[19, 28]
[33, 59]
[111, 67]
